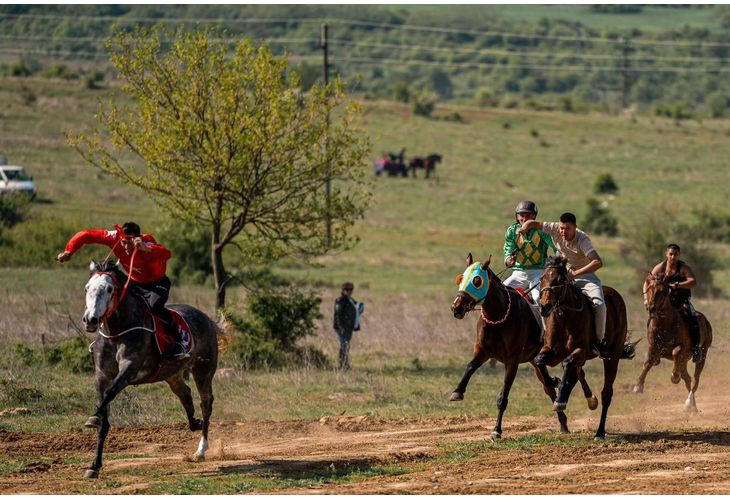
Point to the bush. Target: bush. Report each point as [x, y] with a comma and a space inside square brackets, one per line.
[598, 220]
[36, 243]
[14, 209]
[717, 104]
[401, 92]
[93, 81]
[73, 355]
[424, 103]
[272, 324]
[605, 184]
[485, 97]
[677, 110]
[647, 241]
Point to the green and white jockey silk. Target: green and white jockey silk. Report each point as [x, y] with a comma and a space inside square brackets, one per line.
[530, 250]
[475, 282]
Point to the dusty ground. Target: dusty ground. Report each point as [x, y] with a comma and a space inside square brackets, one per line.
[662, 451]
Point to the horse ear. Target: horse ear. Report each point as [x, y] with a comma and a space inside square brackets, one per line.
[459, 279]
[469, 259]
[93, 266]
[485, 264]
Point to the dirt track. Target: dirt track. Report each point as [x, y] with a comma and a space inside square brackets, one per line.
[687, 455]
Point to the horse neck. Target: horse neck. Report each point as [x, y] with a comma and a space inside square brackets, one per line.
[130, 312]
[495, 303]
[663, 324]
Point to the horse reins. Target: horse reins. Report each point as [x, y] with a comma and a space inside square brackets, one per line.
[107, 314]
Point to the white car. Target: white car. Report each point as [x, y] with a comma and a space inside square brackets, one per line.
[14, 179]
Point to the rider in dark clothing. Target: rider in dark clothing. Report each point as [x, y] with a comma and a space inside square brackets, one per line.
[681, 280]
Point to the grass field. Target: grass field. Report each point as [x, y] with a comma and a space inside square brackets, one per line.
[415, 237]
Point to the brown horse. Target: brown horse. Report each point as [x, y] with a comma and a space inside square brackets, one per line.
[569, 333]
[668, 334]
[507, 331]
[428, 164]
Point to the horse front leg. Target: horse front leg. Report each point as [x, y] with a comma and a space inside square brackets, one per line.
[478, 360]
[652, 359]
[127, 370]
[610, 368]
[102, 424]
[591, 400]
[690, 404]
[570, 378]
[545, 357]
[550, 391]
[510, 371]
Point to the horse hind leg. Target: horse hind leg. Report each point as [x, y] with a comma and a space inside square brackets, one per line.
[610, 369]
[182, 391]
[204, 383]
[591, 399]
[510, 371]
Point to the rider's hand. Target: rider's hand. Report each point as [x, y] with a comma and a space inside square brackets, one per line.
[510, 261]
[520, 230]
[63, 256]
[138, 243]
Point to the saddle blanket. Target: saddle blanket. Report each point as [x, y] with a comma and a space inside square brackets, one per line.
[165, 341]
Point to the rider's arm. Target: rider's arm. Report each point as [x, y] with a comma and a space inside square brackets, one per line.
[99, 236]
[509, 246]
[594, 265]
[689, 278]
[529, 224]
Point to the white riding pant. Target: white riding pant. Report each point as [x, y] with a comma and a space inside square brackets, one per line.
[526, 279]
[590, 285]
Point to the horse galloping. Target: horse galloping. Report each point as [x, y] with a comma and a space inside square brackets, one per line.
[512, 335]
[570, 330]
[669, 337]
[125, 353]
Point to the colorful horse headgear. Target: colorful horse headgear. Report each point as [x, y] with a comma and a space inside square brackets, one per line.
[474, 282]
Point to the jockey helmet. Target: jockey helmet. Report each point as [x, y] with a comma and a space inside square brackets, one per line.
[526, 206]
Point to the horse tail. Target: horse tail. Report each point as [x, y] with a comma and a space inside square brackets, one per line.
[223, 330]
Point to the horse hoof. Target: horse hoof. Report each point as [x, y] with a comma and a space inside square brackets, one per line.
[456, 396]
[638, 389]
[91, 474]
[690, 408]
[495, 436]
[198, 457]
[599, 437]
[196, 425]
[592, 402]
[559, 406]
[93, 423]
[675, 378]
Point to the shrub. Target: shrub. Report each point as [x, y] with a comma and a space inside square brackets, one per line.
[717, 104]
[73, 355]
[14, 209]
[605, 184]
[598, 220]
[485, 97]
[272, 324]
[93, 80]
[27, 355]
[646, 245]
[424, 103]
[37, 242]
[401, 92]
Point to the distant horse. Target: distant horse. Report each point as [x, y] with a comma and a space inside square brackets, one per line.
[428, 164]
[506, 330]
[125, 353]
[570, 331]
[393, 164]
[668, 335]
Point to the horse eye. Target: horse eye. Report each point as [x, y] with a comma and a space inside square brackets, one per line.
[477, 281]
[109, 289]
[86, 288]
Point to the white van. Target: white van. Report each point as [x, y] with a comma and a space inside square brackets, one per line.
[14, 179]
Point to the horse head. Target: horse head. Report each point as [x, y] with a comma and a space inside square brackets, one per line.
[100, 293]
[553, 284]
[473, 285]
[657, 295]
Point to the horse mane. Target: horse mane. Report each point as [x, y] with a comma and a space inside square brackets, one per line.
[557, 261]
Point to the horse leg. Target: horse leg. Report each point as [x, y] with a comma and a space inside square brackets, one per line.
[610, 368]
[570, 378]
[590, 398]
[678, 355]
[690, 404]
[543, 358]
[652, 359]
[204, 383]
[127, 370]
[182, 391]
[100, 422]
[550, 391]
[478, 360]
[510, 371]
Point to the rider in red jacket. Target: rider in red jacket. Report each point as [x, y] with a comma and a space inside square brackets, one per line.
[150, 266]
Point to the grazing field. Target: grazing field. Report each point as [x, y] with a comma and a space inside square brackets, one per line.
[386, 426]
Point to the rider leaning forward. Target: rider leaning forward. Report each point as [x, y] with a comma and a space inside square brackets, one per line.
[583, 262]
[526, 253]
[148, 274]
[681, 279]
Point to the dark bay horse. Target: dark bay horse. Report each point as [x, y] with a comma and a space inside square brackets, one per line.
[507, 330]
[428, 164]
[125, 353]
[570, 331]
[668, 334]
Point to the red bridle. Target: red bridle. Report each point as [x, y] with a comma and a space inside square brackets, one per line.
[116, 286]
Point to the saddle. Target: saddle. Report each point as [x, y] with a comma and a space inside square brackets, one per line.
[165, 341]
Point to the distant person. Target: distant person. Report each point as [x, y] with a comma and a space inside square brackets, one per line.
[681, 280]
[149, 273]
[346, 321]
[583, 262]
[526, 253]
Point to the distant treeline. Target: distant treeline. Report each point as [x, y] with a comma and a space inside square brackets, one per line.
[457, 53]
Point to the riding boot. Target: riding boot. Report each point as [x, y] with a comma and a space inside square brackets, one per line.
[171, 328]
[601, 346]
[698, 354]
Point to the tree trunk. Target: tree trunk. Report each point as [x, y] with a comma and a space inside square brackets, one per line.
[219, 272]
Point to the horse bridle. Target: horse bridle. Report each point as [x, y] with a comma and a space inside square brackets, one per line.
[557, 306]
[655, 314]
[483, 313]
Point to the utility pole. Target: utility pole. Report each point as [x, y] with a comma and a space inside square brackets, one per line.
[328, 185]
[624, 72]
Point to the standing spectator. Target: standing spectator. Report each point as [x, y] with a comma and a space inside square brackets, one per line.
[346, 321]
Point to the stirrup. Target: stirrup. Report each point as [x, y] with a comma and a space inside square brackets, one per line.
[179, 352]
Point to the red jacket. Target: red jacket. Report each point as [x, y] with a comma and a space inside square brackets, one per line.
[148, 266]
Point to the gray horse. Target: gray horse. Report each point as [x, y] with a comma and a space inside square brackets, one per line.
[125, 352]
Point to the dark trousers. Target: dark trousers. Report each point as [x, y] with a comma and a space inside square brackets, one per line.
[345, 340]
[156, 295]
